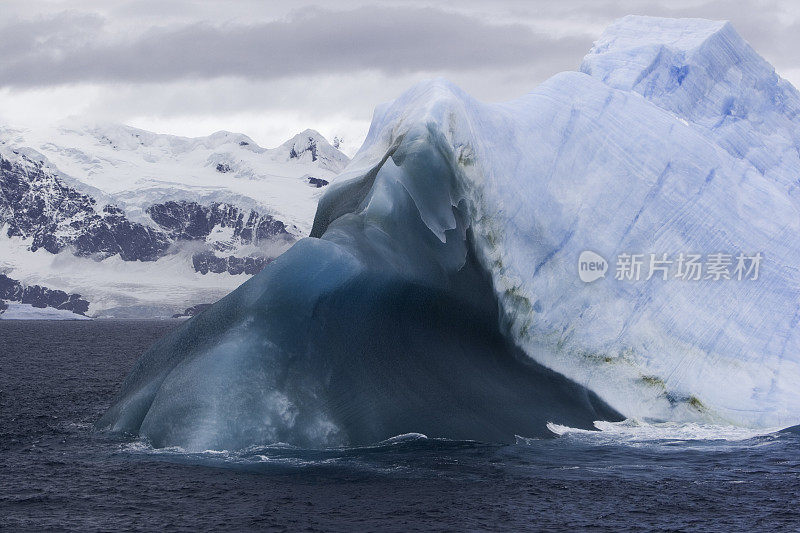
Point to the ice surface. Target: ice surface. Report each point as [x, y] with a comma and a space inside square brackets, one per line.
[705, 73]
[453, 205]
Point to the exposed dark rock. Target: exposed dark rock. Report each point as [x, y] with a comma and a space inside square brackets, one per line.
[3, 306]
[317, 182]
[10, 289]
[113, 210]
[38, 296]
[36, 204]
[310, 147]
[223, 167]
[205, 262]
[192, 221]
[192, 311]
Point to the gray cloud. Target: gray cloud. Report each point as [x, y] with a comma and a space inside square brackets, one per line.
[268, 69]
[69, 48]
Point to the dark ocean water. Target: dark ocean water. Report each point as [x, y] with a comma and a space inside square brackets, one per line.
[57, 378]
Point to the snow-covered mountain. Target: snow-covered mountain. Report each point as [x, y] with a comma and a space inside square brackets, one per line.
[449, 251]
[139, 223]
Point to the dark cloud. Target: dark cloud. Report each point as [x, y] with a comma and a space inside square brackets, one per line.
[191, 68]
[69, 48]
[29, 39]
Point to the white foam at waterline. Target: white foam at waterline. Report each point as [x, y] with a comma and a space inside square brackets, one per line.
[633, 431]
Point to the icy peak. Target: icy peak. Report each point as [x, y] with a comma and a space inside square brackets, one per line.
[310, 146]
[429, 96]
[706, 74]
[649, 54]
[635, 31]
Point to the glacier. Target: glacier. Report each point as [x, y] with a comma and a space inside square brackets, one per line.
[438, 291]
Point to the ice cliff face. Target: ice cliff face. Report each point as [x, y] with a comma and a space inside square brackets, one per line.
[445, 257]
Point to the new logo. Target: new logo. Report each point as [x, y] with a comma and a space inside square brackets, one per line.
[591, 266]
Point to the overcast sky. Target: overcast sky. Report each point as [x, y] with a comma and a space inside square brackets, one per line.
[271, 68]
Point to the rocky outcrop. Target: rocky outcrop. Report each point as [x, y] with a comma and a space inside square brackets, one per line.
[41, 297]
[192, 311]
[317, 182]
[192, 221]
[36, 204]
[205, 262]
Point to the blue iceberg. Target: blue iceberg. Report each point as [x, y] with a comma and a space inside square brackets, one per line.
[438, 292]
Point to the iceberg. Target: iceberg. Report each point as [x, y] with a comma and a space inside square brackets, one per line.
[438, 292]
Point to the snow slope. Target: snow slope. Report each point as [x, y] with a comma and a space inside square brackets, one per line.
[674, 138]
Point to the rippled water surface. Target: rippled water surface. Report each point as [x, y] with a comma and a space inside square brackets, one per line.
[56, 473]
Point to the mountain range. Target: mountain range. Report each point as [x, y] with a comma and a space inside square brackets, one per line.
[133, 223]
